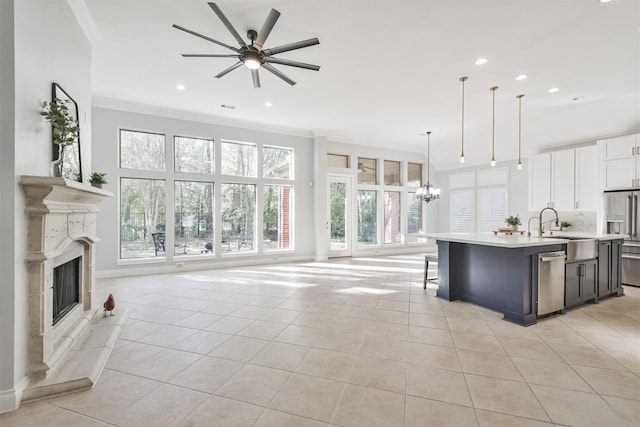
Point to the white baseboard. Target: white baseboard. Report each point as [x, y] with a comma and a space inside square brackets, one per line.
[10, 399]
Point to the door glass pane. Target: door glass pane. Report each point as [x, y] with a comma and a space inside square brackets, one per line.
[238, 159]
[414, 218]
[414, 175]
[193, 155]
[391, 173]
[238, 217]
[367, 171]
[193, 217]
[367, 217]
[392, 217]
[276, 217]
[338, 192]
[276, 162]
[142, 215]
[142, 151]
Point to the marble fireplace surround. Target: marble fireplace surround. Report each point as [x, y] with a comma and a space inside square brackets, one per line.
[61, 226]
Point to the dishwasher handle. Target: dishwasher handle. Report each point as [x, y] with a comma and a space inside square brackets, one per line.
[552, 256]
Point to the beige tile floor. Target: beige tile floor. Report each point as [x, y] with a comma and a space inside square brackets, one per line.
[349, 342]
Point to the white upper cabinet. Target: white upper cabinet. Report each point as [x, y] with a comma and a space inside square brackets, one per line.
[621, 162]
[565, 180]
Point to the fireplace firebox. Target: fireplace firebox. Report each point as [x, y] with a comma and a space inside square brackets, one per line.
[66, 288]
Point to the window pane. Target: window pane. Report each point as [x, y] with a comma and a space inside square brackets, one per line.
[277, 217]
[337, 161]
[193, 217]
[367, 217]
[461, 211]
[276, 162]
[391, 173]
[414, 218]
[492, 208]
[238, 217]
[338, 220]
[142, 214]
[142, 150]
[367, 171]
[238, 159]
[414, 175]
[193, 155]
[392, 217]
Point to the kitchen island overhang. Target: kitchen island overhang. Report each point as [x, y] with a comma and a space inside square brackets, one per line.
[496, 272]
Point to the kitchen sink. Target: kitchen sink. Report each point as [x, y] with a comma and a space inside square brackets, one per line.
[579, 248]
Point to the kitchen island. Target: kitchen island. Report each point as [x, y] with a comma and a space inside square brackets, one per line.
[499, 272]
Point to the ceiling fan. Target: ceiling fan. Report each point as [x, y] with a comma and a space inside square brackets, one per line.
[253, 55]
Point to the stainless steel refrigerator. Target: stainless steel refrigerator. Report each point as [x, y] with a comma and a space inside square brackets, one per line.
[622, 218]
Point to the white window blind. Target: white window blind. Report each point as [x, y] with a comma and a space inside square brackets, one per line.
[461, 211]
[492, 208]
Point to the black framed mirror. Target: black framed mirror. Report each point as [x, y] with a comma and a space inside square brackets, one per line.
[71, 164]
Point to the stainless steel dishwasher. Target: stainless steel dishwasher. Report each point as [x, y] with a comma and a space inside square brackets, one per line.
[550, 282]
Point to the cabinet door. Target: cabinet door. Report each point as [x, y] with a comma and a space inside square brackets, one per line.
[539, 181]
[621, 147]
[587, 194]
[572, 291]
[604, 269]
[563, 180]
[620, 173]
[589, 279]
[615, 265]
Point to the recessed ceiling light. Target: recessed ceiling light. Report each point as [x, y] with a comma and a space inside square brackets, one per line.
[554, 89]
[481, 61]
[605, 1]
[521, 77]
[268, 104]
[180, 87]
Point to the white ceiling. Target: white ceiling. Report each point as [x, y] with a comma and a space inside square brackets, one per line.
[390, 69]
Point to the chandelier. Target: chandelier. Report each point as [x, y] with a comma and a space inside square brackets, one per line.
[428, 192]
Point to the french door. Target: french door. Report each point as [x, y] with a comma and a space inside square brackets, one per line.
[340, 218]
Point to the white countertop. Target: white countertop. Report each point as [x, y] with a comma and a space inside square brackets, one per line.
[517, 240]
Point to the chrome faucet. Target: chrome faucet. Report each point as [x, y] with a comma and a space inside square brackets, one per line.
[529, 225]
[541, 224]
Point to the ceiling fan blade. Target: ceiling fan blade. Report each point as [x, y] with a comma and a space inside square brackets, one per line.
[256, 78]
[271, 68]
[264, 32]
[186, 30]
[292, 63]
[227, 24]
[228, 70]
[207, 55]
[291, 46]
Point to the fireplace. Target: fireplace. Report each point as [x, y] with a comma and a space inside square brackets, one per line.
[66, 288]
[61, 235]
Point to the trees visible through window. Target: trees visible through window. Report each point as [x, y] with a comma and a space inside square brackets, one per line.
[193, 155]
[193, 223]
[142, 214]
[276, 217]
[414, 218]
[142, 150]
[238, 217]
[238, 159]
[276, 162]
[367, 217]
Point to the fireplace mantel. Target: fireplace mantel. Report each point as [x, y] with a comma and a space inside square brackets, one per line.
[61, 225]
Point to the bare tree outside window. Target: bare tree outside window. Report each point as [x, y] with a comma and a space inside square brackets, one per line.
[238, 217]
[142, 150]
[238, 159]
[193, 155]
[142, 213]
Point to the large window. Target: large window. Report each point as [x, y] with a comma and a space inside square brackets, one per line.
[392, 230]
[462, 211]
[276, 162]
[238, 217]
[367, 171]
[238, 159]
[414, 175]
[492, 208]
[142, 218]
[337, 161]
[276, 214]
[142, 151]
[367, 217]
[193, 155]
[193, 224]
[391, 173]
[414, 218]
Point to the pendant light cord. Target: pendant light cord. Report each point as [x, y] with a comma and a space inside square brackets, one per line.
[493, 125]
[462, 79]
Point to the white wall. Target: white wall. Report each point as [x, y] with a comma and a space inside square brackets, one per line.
[49, 46]
[107, 122]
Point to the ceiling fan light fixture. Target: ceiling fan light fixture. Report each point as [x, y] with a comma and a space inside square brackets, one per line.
[252, 60]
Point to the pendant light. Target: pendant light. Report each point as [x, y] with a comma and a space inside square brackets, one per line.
[493, 127]
[462, 79]
[520, 130]
[428, 192]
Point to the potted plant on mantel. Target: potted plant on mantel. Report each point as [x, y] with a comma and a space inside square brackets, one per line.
[513, 222]
[96, 179]
[65, 129]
